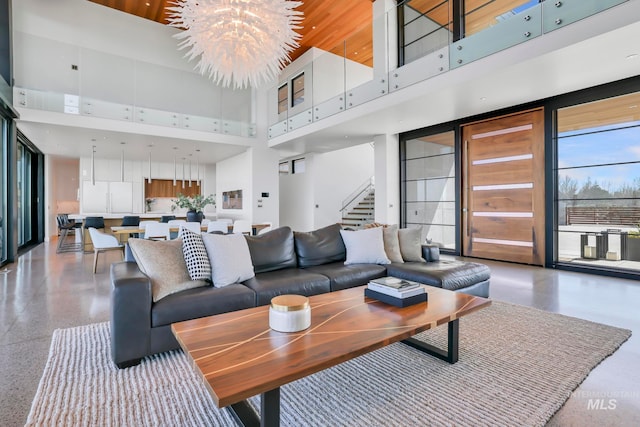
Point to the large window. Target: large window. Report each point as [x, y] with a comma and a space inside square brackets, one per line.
[428, 183]
[4, 140]
[24, 195]
[598, 183]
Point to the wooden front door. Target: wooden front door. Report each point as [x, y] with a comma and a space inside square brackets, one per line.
[503, 182]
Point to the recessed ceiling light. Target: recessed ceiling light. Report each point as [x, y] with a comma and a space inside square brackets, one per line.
[148, 4]
[483, 98]
[313, 28]
[632, 56]
[346, 136]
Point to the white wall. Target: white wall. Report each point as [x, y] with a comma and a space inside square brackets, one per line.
[265, 180]
[336, 175]
[296, 198]
[313, 199]
[235, 174]
[121, 58]
[387, 176]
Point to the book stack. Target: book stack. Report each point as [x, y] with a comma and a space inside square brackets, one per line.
[397, 292]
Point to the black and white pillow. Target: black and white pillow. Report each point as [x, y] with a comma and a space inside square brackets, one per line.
[195, 255]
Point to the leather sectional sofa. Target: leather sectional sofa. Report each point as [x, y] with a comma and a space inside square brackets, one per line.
[304, 263]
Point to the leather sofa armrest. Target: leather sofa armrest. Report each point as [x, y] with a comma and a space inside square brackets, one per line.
[131, 302]
[430, 253]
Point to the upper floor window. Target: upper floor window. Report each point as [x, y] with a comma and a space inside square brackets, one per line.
[283, 96]
[283, 168]
[298, 166]
[297, 84]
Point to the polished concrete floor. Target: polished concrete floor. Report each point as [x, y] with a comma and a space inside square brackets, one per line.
[45, 291]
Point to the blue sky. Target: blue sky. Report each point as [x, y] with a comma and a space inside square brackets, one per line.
[615, 146]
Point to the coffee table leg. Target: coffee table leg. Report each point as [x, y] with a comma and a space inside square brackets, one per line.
[246, 416]
[451, 355]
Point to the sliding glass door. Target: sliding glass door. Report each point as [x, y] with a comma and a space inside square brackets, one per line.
[4, 142]
[24, 193]
[598, 183]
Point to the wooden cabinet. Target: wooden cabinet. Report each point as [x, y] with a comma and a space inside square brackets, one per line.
[165, 188]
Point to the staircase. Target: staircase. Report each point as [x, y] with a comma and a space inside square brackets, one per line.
[362, 213]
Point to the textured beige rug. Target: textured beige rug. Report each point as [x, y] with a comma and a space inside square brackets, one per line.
[517, 367]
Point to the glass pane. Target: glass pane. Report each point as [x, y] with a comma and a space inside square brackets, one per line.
[429, 187]
[430, 145]
[482, 14]
[298, 90]
[427, 27]
[4, 137]
[430, 167]
[599, 182]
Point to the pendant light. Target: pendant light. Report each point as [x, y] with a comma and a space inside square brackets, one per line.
[190, 169]
[174, 166]
[183, 159]
[149, 171]
[93, 164]
[122, 162]
[197, 168]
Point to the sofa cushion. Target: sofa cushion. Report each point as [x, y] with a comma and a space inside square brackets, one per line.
[451, 275]
[364, 246]
[320, 246]
[273, 250]
[410, 244]
[230, 258]
[195, 255]
[392, 243]
[347, 276]
[163, 262]
[201, 302]
[287, 281]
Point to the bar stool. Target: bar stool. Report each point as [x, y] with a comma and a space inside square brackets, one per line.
[65, 226]
[131, 221]
[167, 218]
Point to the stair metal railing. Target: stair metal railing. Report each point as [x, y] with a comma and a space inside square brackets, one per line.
[358, 195]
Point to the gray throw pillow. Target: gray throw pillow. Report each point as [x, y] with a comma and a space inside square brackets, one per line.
[364, 246]
[163, 262]
[229, 257]
[411, 244]
[392, 243]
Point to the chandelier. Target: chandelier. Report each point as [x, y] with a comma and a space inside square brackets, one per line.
[244, 42]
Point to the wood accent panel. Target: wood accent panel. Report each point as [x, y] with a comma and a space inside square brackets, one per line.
[326, 24]
[529, 200]
[165, 188]
[621, 109]
[515, 172]
[515, 228]
[492, 251]
[520, 200]
[513, 144]
[239, 356]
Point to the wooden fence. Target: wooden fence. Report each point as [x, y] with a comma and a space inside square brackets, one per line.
[605, 215]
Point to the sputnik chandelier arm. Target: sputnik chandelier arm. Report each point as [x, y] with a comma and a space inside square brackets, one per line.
[240, 42]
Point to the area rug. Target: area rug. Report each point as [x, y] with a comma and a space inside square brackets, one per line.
[517, 366]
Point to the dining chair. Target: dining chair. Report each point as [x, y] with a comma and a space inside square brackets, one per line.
[218, 226]
[157, 231]
[103, 242]
[265, 229]
[167, 218]
[196, 227]
[242, 226]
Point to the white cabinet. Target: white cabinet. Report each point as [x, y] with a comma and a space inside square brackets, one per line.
[107, 197]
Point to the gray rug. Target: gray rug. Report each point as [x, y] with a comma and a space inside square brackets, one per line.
[517, 366]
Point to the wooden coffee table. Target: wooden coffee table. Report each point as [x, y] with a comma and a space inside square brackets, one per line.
[239, 356]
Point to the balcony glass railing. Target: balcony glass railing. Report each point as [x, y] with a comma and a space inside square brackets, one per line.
[77, 105]
[428, 37]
